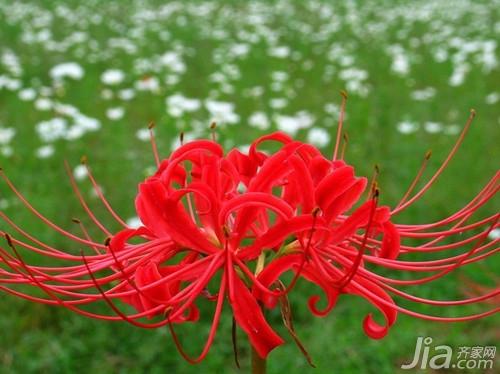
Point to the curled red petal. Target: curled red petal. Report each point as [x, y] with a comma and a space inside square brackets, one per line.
[303, 184]
[346, 200]
[351, 224]
[117, 242]
[255, 199]
[279, 232]
[248, 314]
[391, 241]
[201, 145]
[333, 185]
[275, 136]
[150, 204]
[373, 329]
[271, 273]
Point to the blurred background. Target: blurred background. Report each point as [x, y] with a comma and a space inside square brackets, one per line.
[85, 78]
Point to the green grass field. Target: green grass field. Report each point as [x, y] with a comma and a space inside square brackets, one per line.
[86, 78]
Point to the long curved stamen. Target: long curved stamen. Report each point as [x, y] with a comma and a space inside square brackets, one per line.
[153, 143]
[416, 179]
[82, 201]
[213, 327]
[340, 123]
[286, 315]
[100, 195]
[213, 133]
[345, 142]
[305, 256]
[441, 168]
[61, 302]
[115, 308]
[349, 276]
[373, 182]
[48, 250]
[86, 235]
[40, 216]
[488, 192]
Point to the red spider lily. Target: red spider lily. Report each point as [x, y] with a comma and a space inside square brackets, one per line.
[226, 227]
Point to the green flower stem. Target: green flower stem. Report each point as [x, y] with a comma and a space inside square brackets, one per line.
[258, 363]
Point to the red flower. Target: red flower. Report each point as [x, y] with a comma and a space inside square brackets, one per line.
[222, 227]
